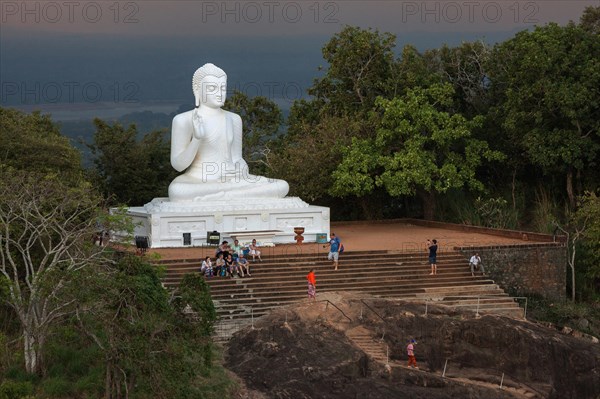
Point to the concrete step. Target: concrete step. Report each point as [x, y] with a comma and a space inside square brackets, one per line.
[363, 338]
[293, 257]
[344, 263]
[512, 311]
[257, 304]
[274, 295]
[280, 280]
[327, 270]
[257, 280]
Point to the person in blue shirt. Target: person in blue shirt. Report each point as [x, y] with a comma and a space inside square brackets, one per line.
[334, 250]
[243, 264]
[432, 246]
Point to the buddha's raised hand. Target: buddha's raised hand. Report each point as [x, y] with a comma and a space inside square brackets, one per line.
[198, 123]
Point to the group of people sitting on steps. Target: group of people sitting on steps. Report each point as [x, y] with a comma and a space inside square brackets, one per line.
[231, 260]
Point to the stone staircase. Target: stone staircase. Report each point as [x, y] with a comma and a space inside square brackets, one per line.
[363, 339]
[376, 349]
[281, 280]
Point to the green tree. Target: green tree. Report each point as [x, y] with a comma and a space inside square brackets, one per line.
[130, 171]
[547, 83]
[261, 119]
[361, 68]
[308, 160]
[304, 114]
[156, 343]
[417, 70]
[590, 19]
[193, 295]
[33, 142]
[419, 149]
[583, 226]
[589, 211]
[46, 230]
[465, 68]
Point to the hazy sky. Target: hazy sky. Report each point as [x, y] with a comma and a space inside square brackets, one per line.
[192, 17]
[76, 55]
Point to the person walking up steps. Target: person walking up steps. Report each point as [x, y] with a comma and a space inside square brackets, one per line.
[312, 285]
[410, 351]
[432, 246]
[334, 250]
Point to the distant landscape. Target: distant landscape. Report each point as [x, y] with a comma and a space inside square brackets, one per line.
[73, 80]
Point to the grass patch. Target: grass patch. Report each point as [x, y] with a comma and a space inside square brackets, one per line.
[584, 317]
[15, 389]
[217, 383]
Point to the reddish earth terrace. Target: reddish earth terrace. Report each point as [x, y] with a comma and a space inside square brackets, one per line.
[405, 235]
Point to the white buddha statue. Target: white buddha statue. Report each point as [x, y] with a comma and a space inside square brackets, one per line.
[207, 143]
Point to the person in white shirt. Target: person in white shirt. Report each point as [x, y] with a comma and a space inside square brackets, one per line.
[254, 251]
[476, 263]
[207, 267]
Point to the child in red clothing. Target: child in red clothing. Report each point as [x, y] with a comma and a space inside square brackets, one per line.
[410, 349]
[312, 285]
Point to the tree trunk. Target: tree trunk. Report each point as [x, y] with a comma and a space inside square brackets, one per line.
[572, 284]
[32, 349]
[428, 198]
[107, 382]
[514, 189]
[370, 208]
[572, 265]
[570, 191]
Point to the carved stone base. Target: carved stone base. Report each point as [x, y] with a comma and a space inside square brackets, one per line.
[165, 223]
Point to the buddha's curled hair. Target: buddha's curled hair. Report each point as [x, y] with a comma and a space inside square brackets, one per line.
[204, 71]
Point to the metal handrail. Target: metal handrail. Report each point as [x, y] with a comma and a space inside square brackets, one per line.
[335, 306]
[219, 331]
[372, 310]
[495, 370]
[478, 297]
[378, 315]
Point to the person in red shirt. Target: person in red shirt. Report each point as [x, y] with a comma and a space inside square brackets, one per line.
[312, 285]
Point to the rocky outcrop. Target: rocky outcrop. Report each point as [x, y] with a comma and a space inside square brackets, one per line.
[303, 351]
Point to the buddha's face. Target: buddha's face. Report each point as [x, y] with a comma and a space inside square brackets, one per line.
[213, 91]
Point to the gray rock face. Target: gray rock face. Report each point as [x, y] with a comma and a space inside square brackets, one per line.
[583, 324]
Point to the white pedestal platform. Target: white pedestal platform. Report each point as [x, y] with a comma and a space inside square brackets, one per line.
[165, 222]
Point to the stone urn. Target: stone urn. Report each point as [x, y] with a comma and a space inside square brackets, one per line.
[299, 231]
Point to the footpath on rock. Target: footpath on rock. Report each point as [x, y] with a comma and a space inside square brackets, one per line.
[349, 345]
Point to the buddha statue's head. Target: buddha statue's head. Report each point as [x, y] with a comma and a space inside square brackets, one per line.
[210, 86]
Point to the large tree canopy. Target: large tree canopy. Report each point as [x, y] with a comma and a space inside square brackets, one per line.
[361, 68]
[46, 229]
[261, 120]
[548, 84]
[420, 148]
[129, 170]
[33, 142]
[153, 345]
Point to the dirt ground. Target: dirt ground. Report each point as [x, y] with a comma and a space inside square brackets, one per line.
[394, 236]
